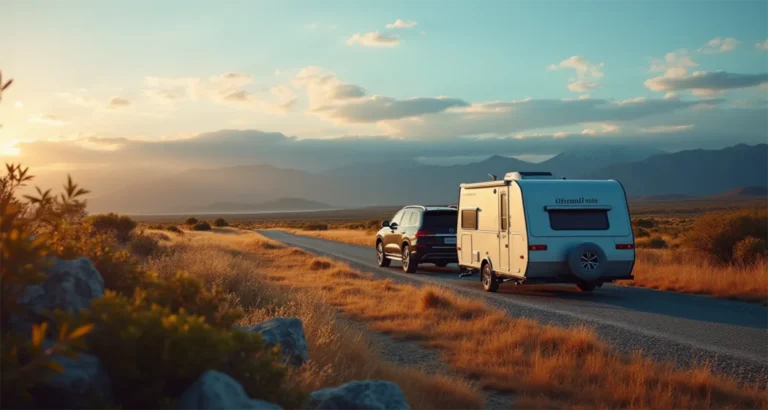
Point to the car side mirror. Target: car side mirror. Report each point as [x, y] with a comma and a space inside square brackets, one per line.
[384, 224]
[393, 225]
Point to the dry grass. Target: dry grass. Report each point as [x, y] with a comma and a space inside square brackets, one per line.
[351, 236]
[681, 271]
[545, 366]
[337, 354]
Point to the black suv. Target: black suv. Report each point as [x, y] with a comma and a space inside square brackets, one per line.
[418, 234]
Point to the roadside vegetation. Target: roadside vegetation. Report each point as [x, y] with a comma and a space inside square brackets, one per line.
[723, 254]
[543, 366]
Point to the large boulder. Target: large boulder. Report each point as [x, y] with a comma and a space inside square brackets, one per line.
[71, 285]
[364, 394]
[288, 332]
[216, 390]
[82, 381]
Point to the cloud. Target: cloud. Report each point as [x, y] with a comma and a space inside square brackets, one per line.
[379, 108]
[582, 86]
[343, 91]
[402, 24]
[763, 45]
[720, 45]
[324, 88]
[675, 64]
[666, 129]
[118, 102]
[374, 39]
[285, 96]
[503, 118]
[47, 119]
[706, 82]
[586, 73]
[605, 128]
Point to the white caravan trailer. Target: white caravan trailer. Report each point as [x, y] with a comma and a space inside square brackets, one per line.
[533, 228]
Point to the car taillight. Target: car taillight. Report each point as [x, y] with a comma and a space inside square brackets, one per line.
[537, 247]
[625, 246]
[421, 233]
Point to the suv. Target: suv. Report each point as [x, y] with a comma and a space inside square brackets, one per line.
[418, 234]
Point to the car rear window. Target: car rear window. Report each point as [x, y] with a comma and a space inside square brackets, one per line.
[440, 221]
[578, 219]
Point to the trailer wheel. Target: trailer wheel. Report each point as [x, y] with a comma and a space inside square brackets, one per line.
[381, 258]
[488, 277]
[409, 263]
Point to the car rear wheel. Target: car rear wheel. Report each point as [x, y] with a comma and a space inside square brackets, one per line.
[381, 258]
[409, 264]
[490, 282]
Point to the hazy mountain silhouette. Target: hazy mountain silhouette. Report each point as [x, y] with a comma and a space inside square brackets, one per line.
[282, 204]
[695, 172]
[643, 172]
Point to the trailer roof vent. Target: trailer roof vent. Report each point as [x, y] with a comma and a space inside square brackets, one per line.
[527, 175]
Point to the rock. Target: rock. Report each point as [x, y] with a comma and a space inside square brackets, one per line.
[364, 394]
[83, 380]
[289, 334]
[216, 390]
[71, 286]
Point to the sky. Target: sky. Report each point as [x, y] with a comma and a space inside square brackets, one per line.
[99, 83]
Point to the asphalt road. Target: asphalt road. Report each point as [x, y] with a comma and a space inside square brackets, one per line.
[731, 336]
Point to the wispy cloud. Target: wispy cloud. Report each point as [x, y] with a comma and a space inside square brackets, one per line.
[707, 83]
[720, 45]
[402, 24]
[374, 39]
[666, 129]
[118, 102]
[586, 73]
[47, 119]
[762, 45]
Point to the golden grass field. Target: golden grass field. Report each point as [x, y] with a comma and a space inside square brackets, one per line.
[544, 366]
[337, 354]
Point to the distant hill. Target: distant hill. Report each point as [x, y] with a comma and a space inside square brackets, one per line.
[644, 173]
[695, 172]
[282, 204]
[746, 192]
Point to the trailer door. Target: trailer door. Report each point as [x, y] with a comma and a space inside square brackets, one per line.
[503, 231]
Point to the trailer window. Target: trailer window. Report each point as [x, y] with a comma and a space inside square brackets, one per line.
[504, 220]
[469, 219]
[578, 219]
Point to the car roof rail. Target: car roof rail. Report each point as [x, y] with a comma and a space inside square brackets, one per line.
[415, 206]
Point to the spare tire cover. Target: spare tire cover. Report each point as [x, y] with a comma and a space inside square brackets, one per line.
[587, 261]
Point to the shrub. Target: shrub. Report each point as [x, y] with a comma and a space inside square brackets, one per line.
[749, 250]
[173, 228]
[120, 226]
[657, 242]
[641, 232]
[645, 223]
[143, 245]
[717, 234]
[190, 221]
[152, 354]
[220, 222]
[315, 227]
[202, 226]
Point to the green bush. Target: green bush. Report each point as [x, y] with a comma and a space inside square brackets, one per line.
[717, 234]
[120, 226]
[220, 222]
[202, 226]
[152, 354]
[190, 221]
[749, 250]
[173, 228]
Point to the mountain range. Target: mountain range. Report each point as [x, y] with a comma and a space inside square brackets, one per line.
[644, 172]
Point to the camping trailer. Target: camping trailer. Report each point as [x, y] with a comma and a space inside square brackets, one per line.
[533, 228]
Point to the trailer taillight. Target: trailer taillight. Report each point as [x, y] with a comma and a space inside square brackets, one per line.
[537, 248]
[625, 246]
